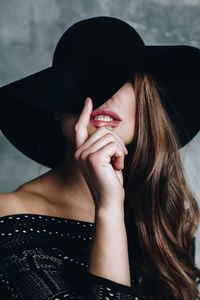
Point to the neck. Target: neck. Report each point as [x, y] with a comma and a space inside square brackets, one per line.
[71, 182]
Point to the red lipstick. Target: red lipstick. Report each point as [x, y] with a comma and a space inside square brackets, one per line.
[106, 112]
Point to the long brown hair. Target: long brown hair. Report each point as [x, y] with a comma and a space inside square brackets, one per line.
[162, 214]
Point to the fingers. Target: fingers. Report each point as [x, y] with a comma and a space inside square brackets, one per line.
[100, 143]
[102, 136]
[107, 153]
[81, 132]
[98, 134]
[116, 136]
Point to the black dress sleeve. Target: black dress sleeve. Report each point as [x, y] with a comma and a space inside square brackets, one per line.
[100, 288]
[34, 274]
[43, 258]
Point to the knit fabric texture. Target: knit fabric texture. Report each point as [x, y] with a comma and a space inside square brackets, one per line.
[46, 258]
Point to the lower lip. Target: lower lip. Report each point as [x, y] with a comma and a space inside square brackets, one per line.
[99, 123]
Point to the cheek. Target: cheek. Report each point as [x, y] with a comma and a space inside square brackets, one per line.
[131, 129]
[126, 131]
[128, 128]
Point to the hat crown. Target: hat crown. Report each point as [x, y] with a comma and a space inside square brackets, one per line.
[96, 57]
[95, 35]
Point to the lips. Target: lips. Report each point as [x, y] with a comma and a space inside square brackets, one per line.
[99, 123]
[105, 112]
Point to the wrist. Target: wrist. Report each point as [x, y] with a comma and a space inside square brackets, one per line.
[109, 204]
[108, 213]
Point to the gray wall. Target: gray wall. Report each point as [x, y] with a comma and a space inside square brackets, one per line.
[29, 31]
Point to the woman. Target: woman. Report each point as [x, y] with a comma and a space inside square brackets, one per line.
[117, 183]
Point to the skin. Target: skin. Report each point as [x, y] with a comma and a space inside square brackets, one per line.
[96, 159]
[85, 189]
[69, 174]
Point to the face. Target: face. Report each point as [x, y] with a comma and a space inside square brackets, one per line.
[122, 103]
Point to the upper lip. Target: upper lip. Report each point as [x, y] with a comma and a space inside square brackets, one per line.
[105, 112]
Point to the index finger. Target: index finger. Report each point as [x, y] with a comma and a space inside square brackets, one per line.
[81, 132]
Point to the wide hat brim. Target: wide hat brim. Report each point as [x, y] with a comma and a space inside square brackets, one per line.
[27, 104]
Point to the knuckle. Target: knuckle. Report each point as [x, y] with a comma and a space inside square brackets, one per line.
[122, 143]
[112, 143]
[120, 139]
[117, 145]
[121, 146]
[109, 135]
[122, 152]
[117, 137]
[91, 158]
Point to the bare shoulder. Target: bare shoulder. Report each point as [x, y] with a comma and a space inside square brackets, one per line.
[25, 199]
[32, 197]
[9, 204]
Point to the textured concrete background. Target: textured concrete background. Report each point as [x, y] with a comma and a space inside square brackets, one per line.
[30, 30]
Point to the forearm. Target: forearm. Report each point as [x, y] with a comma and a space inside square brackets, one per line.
[109, 249]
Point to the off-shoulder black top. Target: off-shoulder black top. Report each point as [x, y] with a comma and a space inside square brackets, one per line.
[45, 257]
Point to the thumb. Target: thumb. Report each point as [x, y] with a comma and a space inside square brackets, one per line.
[81, 132]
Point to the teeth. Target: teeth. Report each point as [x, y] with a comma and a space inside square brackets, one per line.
[103, 118]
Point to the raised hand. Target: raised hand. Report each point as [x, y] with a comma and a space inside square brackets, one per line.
[100, 157]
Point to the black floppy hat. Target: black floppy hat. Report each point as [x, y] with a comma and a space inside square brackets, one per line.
[95, 57]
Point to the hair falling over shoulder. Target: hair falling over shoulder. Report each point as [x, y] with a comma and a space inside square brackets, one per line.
[162, 213]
